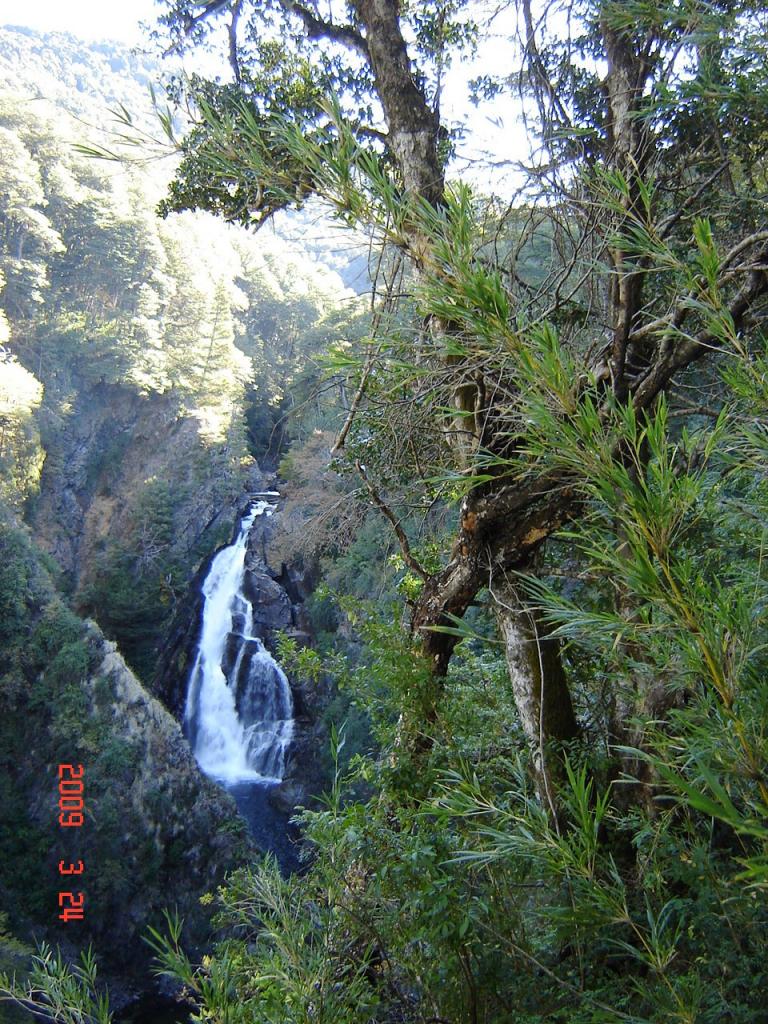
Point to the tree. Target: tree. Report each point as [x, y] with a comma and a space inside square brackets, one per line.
[586, 376]
[21, 457]
[27, 237]
[639, 287]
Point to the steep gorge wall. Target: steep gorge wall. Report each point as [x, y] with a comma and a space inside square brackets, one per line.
[132, 499]
[157, 834]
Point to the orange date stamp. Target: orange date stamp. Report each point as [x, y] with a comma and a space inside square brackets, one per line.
[71, 815]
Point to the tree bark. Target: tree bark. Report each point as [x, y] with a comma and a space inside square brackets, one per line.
[500, 531]
[413, 136]
[412, 126]
[539, 685]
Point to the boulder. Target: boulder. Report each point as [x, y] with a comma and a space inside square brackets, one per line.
[271, 605]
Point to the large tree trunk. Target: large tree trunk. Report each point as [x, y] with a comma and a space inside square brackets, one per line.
[539, 685]
[412, 126]
[413, 136]
[500, 529]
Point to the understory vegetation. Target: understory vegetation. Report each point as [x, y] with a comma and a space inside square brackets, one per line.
[440, 885]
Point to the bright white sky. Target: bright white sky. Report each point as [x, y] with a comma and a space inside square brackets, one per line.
[88, 19]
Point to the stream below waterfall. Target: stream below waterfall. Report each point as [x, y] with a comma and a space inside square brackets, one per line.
[239, 709]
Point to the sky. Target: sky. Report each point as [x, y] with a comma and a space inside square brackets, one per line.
[88, 19]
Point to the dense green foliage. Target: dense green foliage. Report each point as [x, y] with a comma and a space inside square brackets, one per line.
[51, 673]
[619, 875]
[450, 893]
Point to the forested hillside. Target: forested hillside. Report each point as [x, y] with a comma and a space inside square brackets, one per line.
[147, 367]
[149, 360]
[533, 485]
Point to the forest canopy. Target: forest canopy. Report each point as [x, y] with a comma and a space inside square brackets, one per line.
[207, 332]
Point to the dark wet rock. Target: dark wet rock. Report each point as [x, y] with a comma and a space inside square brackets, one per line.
[298, 580]
[286, 796]
[271, 604]
[232, 647]
[303, 637]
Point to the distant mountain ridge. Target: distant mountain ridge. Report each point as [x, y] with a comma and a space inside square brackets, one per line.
[91, 79]
[73, 73]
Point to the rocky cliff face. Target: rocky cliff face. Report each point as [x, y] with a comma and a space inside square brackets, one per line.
[132, 498]
[180, 834]
[113, 442]
[156, 833]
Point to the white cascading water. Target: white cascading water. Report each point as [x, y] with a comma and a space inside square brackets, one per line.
[239, 713]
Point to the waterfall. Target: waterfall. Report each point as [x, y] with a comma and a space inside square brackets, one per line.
[239, 713]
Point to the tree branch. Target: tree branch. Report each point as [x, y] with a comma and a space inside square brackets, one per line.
[190, 21]
[539, 75]
[405, 547]
[317, 28]
[668, 223]
[341, 439]
[678, 357]
[233, 58]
